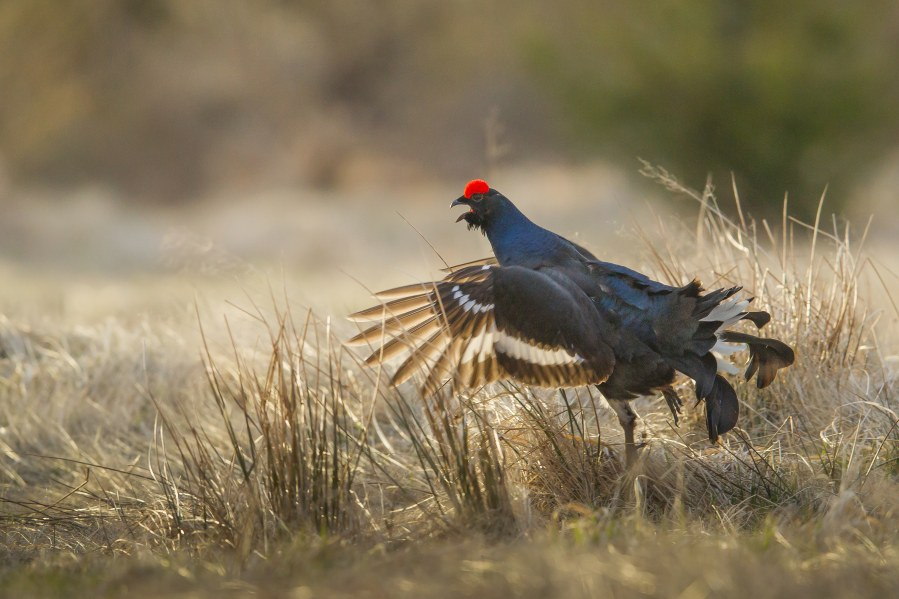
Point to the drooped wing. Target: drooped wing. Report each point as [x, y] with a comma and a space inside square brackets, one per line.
[484, 323]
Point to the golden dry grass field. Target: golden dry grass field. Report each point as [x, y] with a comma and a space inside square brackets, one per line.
[178, 416]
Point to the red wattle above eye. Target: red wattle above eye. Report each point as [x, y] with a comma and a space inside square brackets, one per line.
[475, 186]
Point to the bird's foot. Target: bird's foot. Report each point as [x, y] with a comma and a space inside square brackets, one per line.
[675, 403]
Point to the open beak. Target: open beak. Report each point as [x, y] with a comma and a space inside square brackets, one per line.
[464, 202]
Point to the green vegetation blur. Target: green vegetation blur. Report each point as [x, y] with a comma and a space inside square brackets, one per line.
[788, 96]
[168, 100]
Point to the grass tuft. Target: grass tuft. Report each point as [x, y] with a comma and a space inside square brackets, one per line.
[290, 458]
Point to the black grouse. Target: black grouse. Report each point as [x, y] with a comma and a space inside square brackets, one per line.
[547, 312]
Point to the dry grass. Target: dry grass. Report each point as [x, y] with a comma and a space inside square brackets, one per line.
[133, 462]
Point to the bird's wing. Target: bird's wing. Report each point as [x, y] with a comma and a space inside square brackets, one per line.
[480, 262]
[484, 323]
[629, 288]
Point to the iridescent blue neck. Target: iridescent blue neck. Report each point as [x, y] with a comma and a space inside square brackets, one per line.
[516, 239]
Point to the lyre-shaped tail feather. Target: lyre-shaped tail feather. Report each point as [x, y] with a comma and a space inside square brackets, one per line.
[766, 356]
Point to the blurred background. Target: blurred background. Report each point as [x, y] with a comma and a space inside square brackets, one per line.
[220, 136]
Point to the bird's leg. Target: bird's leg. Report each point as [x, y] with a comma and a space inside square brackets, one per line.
[628, 420]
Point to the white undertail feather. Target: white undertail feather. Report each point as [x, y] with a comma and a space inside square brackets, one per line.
[727, 312]
[721, 350]
[725, 366]
[725, 349]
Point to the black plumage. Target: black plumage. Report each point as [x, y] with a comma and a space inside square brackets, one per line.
[547, 312]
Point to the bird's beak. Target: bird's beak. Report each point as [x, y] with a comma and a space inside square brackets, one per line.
[462, 200]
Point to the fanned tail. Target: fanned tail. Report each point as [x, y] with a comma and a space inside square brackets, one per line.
[715, 311]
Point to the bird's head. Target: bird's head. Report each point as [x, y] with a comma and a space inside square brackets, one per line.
[484, 204]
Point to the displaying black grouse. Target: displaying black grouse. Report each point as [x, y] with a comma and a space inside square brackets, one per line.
[547, 312]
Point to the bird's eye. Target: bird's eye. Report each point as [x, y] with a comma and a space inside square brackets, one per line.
[477, 197]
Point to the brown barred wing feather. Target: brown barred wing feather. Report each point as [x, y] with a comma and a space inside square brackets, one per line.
[484, 323]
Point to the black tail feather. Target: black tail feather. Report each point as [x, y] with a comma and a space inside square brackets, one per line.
[721, 408]
[701, 368]
[766, 356]
[711, 299]
[759, 318]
